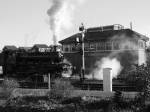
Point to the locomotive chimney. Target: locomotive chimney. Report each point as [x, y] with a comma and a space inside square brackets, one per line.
[131, 25]
[55, 48]
[107, 80]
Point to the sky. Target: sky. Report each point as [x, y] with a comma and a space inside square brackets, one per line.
[26, 22]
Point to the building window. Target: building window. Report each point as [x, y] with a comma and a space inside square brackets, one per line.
[66, 48]
[108, 45]
[116, 45]
[126, 47]
[93, 46]
[86, 46]
[72, 47]
[141, 44]
[101, 46]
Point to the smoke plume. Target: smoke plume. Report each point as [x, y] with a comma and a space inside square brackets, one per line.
[60, 16]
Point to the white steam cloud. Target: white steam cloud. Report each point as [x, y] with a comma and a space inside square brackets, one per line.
[61, 16]
[68, 69]
[107, 62]
[126, 55]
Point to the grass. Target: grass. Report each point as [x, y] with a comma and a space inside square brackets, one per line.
[30, 92]
[75, 93]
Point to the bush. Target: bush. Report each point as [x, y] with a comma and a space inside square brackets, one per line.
[60, 90]
[8, 85]
[141, 79]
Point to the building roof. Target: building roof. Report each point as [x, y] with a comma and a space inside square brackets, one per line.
[40, 46]
[97, 33]
[24, 48]
[71, 39]
[10, 47]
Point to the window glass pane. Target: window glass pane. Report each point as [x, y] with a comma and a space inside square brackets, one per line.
[116, 45]
[73, 47]
[141, 44]
[86, 46]
[101, 46]
[63, 47]
[66, 48]
[108, 45]
[93, 46]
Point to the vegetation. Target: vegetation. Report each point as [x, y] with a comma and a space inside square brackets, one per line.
[140, 78]
[8, 86]
[59, 99]
[60, 90]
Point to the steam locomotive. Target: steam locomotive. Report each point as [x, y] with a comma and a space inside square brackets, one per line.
[32, 63]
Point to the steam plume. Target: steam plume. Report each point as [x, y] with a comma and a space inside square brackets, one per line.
[60, 14]
[122, 59]
[107, 62]
[68, 69]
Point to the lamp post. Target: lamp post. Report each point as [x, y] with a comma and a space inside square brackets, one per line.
[82, 30]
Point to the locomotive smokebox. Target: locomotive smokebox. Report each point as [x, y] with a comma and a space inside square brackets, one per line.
[107, 80]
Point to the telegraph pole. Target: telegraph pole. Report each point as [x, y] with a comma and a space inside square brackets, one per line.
[82, 30]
